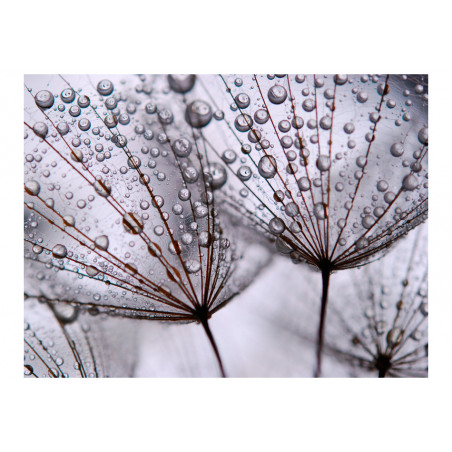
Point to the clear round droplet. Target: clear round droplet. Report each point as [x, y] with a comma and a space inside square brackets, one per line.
[59, 251]
[276, 226]
[267, 166]
[277, 94]
[105, 87]
[44, 99]
[198, 113]
[32, 188]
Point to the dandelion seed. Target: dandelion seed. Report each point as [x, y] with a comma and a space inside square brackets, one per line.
[335, 229]
[95, 175]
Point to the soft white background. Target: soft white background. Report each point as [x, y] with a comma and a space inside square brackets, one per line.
[225, 415]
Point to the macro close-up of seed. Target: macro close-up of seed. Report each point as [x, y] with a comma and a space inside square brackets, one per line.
[169, 198]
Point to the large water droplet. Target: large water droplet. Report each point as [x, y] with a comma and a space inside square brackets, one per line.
[32, 187]
[323, 163]
[244, 173]
[40, 129]
[304, 184]
[102, 188]
[192, 266]
[320, 211]
[181, 83]
[423, 136]
[219, 175]
[267, 166]
[243, 122]
[44, 99]
[182, 147]
[397, 149]
[261, 116]
[277, 94]
[132, 223]
[67, 95]
[105, 87]
[410, 182]
[59, 251]
[198, 114]
[276, 226]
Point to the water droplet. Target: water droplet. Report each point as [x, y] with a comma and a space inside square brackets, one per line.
[304, 184]
[423, 136]
[394, 337]
[389, 197]
[368, 221]
[204, 239]
[181, 83]
[67, 95]
[242, 100]
[308, 105]
[154, 250]
[44, 99]
[111, 121]
[40, 129]
[105, 87]
[37, 249]
[286, 142]
[362, 97]
[267, 166]
[277, 94]
[361, 243]
[102, 188]
[69, 220]
[297, 122]
[59, 251]
[244, 173]
[165, 116]
[198, 113]
[32, 188]
[133, 162]
[158, 230]
[192, 266]
[397, 149]
[261, 116]
[91, 270]
[291, 209]
[184, 194]
[361, 161]
[63, 128]
[84, 124]
[410, 182]
[132, 223]
[320, 211]
[219, 175]
[190, 174]
[243, 122]
[182, 147]
[158, 201]
[340, 79]
[323, 163]
[119, 140]
[276, 226]
[325, 123]
[382, 185]
[83, 102]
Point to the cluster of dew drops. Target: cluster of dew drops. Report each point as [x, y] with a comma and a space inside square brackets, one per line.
[198, 115]
[267, 166]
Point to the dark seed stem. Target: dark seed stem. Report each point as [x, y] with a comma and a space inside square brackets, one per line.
[205, 324]
[326, 272]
